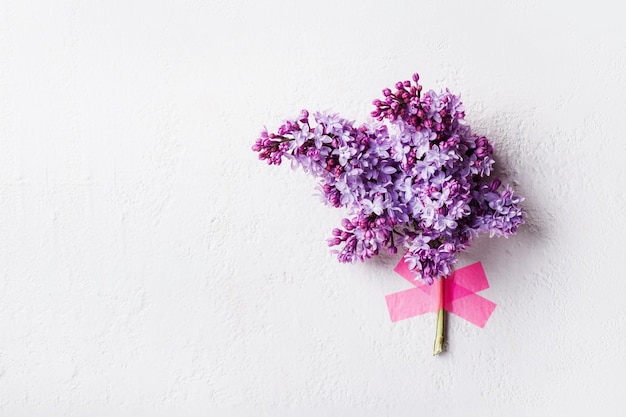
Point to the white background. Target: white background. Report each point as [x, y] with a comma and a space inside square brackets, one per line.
[151, 265]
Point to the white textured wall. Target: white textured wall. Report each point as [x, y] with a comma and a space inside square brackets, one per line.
[150, 265]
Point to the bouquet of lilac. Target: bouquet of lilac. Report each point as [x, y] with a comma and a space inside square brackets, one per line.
[415, 175]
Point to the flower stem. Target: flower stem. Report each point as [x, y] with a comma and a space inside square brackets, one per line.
[440, 321]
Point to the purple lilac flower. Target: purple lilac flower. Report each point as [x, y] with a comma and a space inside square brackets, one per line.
[415, 176]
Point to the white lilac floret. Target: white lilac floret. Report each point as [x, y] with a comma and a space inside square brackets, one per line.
[414, 176]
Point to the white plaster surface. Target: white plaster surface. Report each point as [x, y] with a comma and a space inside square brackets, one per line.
[150, 265]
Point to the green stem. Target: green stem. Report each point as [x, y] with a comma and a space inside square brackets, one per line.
[440, 321]
[439, 335]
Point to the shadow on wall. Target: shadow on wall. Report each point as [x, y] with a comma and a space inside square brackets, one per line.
[512, 155]
[518, 161]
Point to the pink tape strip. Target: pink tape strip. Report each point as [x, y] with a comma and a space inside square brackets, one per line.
[460, 296]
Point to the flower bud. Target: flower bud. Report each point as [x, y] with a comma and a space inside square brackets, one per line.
[334, 242]
[347, 224]
[495, 184]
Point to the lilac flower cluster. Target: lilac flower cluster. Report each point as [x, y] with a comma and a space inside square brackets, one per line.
[415, 176]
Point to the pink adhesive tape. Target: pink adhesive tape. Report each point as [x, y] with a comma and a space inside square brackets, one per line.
[460, 296]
